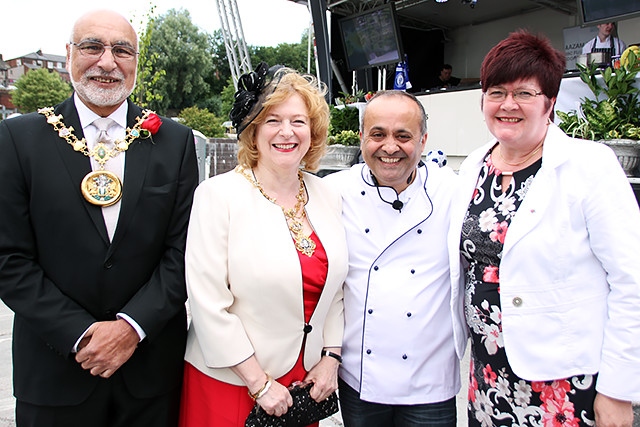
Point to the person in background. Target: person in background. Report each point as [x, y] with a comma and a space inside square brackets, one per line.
[606, 41]
[266, 259]
[445, 79]
[93, 223]
[404, 329]
[546, 227]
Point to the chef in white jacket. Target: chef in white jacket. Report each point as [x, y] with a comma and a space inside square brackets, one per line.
[404, 334]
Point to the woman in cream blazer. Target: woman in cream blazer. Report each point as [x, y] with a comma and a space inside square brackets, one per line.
[244, 281]
[265, 261]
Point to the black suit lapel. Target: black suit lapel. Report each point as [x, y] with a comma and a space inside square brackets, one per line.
[77, 164]
[135, 169]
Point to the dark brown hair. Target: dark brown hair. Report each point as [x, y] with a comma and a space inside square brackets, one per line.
[523, 55]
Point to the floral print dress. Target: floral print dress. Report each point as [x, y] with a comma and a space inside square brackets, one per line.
[497, 396]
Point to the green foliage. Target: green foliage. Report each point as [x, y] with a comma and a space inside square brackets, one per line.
[180, 67]
[617, 112]
[217, 78]
[347, 98]
[146, 90]
[345, 118]
[345, 137]
[213, 104]
[227, 98]
[203, 121]
[292, 55]
[39, 88]
[184, 53]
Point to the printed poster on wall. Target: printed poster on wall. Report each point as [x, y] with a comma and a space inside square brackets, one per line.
[574, 39]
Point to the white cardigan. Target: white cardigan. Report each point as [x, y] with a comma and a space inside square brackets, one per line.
[244, 279]
[570, 273]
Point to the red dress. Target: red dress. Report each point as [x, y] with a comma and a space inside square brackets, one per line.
[207, 402]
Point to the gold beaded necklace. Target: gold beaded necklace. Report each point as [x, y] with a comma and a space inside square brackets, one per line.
[294, 217]
[100, 187]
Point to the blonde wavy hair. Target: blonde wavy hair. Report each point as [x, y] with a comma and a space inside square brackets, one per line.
[288, 82]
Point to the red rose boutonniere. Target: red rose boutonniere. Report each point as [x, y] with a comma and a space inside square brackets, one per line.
[150, 125]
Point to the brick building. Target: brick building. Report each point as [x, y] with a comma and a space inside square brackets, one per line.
[23, 64]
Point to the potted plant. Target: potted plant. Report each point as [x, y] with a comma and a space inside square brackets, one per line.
[344, 138]
[613, 117]
[348, 98]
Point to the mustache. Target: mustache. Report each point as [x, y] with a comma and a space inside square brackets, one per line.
[98, 72]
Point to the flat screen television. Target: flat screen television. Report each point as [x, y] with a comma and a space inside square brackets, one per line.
[371, 38]
[599, 11]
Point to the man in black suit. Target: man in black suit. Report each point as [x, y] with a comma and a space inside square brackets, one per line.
[92, 235]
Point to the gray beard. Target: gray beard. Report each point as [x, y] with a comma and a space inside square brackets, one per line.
[100, 97]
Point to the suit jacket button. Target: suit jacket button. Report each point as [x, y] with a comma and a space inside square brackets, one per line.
[108, 264]
[307, 328]
[517, 301]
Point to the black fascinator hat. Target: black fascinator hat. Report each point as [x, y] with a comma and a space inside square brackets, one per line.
[253, 89]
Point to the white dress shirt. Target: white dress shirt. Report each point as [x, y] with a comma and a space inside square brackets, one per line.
[115, 165]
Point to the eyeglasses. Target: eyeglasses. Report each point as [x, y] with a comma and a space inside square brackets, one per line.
[519, 95]
[91, 49]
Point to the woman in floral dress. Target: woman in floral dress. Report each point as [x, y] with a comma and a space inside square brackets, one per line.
[548, 229]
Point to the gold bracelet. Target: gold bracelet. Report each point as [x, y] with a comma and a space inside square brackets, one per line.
[263, 390]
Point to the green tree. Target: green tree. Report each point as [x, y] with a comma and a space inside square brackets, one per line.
[227, 97]
[292, 55]
[203, 121]
[146, 89]
[39, 88]
[221, 71]
[184, 54]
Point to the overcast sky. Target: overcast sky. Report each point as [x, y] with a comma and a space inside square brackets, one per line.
[30, 25]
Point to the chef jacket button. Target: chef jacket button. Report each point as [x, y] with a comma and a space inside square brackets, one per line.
[368, 351]
[370, 311]
[362, 192]
[517, 301]
[413, 271]
[419, 231]
[375, 268]
[366, 230]
[409, 314]
[404, 356]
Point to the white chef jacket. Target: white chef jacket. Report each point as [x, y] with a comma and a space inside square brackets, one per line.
[400, 314]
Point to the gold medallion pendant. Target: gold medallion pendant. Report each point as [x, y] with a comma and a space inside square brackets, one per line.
[102, 188]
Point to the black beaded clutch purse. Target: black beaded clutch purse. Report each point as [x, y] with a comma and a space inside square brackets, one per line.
[303, 412]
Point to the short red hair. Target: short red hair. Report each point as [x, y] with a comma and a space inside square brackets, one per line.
[523, 55]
